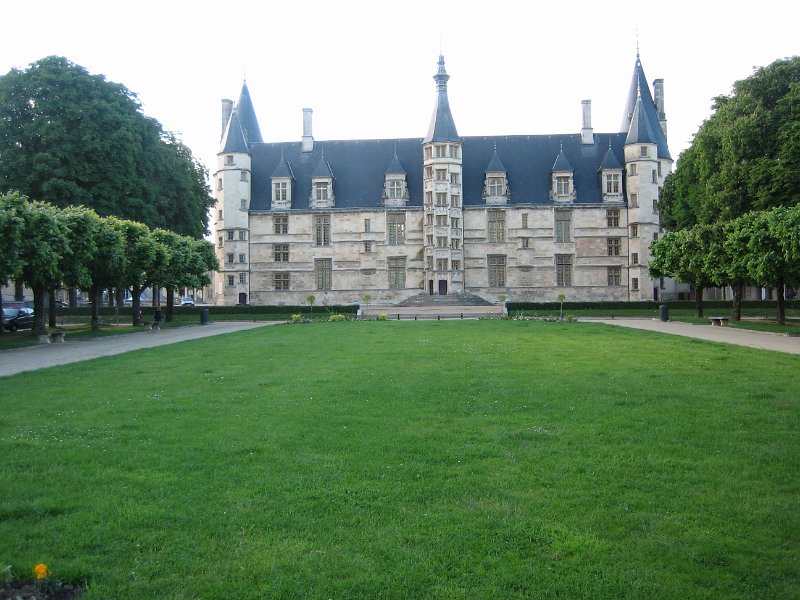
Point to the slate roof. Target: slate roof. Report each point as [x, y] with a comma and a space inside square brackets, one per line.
[610, 160]
[395, 166]
[495, 165]
[247, 116]
[233, 138]
[640, 89]
[442, 127]
[562, 164]
[360, 166]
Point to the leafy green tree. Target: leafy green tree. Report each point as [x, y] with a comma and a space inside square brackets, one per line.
[81, 224]
[108, 263]
[143, 254]
[71, 138]
[11, 222]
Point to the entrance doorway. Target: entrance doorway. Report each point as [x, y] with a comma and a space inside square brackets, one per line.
[430, 287]
[443, 287]
[242, 299]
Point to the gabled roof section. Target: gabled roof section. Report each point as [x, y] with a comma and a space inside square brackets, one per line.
[442, 127]
[640, 90]
[233, 140]
[323, 169]
[284, 169]
[562, 164]
[395, 166]
[495, 165]
[610, 161]
[247, 117]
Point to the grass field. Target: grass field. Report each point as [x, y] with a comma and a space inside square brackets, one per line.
[468, 459]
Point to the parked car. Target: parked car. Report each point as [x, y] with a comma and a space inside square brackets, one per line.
[17, 318]
[187, 302]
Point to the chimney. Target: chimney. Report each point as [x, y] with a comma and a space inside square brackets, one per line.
[227, 109]
[658, 98]
[587, 136]
[307, 144]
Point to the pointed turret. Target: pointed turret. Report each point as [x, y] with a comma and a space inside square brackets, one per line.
[639, 92]
[323, 169]
[442, 127]
[247, 117]
[283, 169]
[495, 164]
[641, 130]
[610, 160]
[562, 164]
[233, 139]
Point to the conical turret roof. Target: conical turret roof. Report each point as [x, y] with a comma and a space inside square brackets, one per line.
[442, 127]
[562, 164]
[395, 166]
[610, 160]
[323, 169]
[247, 116]
[233, 139]
[283, 169]
[639, 92]
[495, 164]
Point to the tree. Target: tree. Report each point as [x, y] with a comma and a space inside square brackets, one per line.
[11, 222]
[81, 224]
[68, 137]
[108, 264]
[144, 254]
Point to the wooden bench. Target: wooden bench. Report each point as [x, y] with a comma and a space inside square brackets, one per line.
[718, 321]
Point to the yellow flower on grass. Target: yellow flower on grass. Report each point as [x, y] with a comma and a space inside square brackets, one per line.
[40, 571]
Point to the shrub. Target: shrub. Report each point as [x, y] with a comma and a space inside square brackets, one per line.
[382, 317]
[297, 318]
[337, 318]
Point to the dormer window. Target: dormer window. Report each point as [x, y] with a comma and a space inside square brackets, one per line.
[563, 189]
[281, 193]
[321, 190]
[395, 191]
[495, 188]
[563, 185]
[322, 193]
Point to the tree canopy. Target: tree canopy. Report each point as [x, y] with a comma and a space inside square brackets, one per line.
[68, 137]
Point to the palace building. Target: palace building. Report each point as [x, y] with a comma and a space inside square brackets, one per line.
[528, 216]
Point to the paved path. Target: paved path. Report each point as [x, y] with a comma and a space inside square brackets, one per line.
[779, 342]
[31, 358]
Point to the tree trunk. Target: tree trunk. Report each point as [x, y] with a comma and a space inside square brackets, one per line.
[2, 318]
[698, 301]
[19, 292]
[51, 307]
[73, 297]
[136, 303]
[120, 293]
[96, 294]
[156, 296]
[170, 304]
[738, 292]
[780, 301]
[39, 293]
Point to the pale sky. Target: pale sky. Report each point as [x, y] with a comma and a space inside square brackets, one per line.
[366, 67]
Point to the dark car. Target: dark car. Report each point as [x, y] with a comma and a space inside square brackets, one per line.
[17, 318]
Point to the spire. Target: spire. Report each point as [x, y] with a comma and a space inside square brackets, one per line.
[495, 164]
[247, 116]
[442, 127]
[562, 164]
[641, 130]
[394, 165]
[233, 139]
[639, 93]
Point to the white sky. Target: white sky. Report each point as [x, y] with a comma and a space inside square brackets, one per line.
[366, 67]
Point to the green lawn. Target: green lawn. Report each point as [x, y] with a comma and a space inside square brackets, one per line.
[465, 459]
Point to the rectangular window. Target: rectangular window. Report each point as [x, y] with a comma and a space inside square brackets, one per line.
[242, 204]
[563, 185]
[497, 270]
[230, 279]
[453, 151]
[429, 219]
[634, 200]
[428, 172]
[441, 174]
[612, 183]
[526, 242]
[229, 159]
[634, 231]
[219, 183]
[455, 200]
[441, 242]
[441, 220]
[397, 273]
[643, 151]
[321, 190]
[281, 223]
[563, 270]
[367, 247]
[279, 191]
[524, 220]
[562, 226]
[428, 198]
[635, 284]
[230, 258]
[496, 186]
[659, 168]
[455, 244]
[456, 265]
[655, 206]
[220, 215]
[281, 281]
[281, 252]
[614, 276]
[322, 231]
[634, 258]
[455, 223]
[441, 199]
[632, 170]
[429, 240]
[441, 151]
[395, 189]
[655, 176]
[242, 235]
[429, 262]
[396, 224]
[454, 178]
[655, 236]
[220, 242]
[428, 153]
[242, 277]
[323, 273]
[612, 217]
[497, 225]
[230, 234]
[244, 176]
[613, 245]
[367, 225]
[242, 258]
[441, 264]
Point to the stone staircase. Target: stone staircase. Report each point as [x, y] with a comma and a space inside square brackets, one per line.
[427, 300]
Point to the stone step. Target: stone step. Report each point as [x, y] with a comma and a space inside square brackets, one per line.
[463, 299]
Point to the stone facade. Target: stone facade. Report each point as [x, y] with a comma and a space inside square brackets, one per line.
[530, 217]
